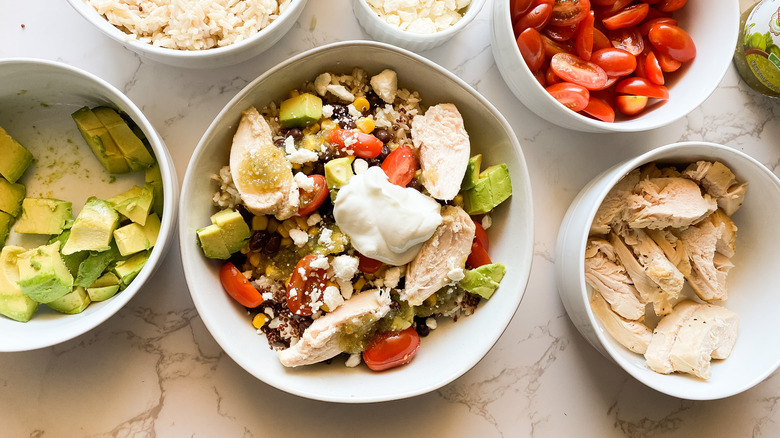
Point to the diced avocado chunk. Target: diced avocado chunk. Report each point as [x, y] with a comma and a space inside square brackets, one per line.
[104, 287]
[100, 141]
[472, 172]
[153, 178]
[128, 269]
[74, 302]
[483, 280]
[133, 238]
[107, 279]
[94, 227]
[134, 204]
[132, 148]
[5, 226]
[11, 197]
[338, 172]
[227, 234]
[491, 189]
[210, 240]
[14, 158]
[44, 216]
[72, 261]
[13, 303]
[95, 265]
[300, 111]
[43, 275]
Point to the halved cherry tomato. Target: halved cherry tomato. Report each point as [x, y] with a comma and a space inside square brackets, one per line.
[539, 75]
[361, 144]
[310, 201]
[531, 48]
[305, 280]
[519, 7]
[572, 96]
[552, 47]
[368, 265]
[670, 5]
[653, 70]
[603, 2]
[630, 105]
[629, 16]
[238, 287]
[481, 236]
[641, 61]
[584, 41]
[667, 64]
[560, 33]
[573, 69]
[628, 39]
[600, 41]
[613, 8]
[609, 83]
[400, 165]
[392, 349]
[536, 18]
[672, 41]
[644, 28]
[478, 256]
[599, 109]
[568, 12]
[641, 87]
[616, 62]
[550, 77]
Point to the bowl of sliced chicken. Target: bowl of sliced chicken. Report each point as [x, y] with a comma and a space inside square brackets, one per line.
[357, 225]
[665, 266]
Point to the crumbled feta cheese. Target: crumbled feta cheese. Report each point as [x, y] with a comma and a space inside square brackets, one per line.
[274, 324]
[360, 165]
[320, 263]
[299, 237]
[341, 92]
[354, 111]
[332, 298]
[353, 360]
[325, 235]
[313, 219]
[269, 311]
[487, 221]
[289, 145]
[431, 323]
[267, 296]
[301, 156]
[345, 267]
[392, 277]
[346, 288]
[327, 111]
[456, 274]
[304, 181]
[321, 84]
[385, 85]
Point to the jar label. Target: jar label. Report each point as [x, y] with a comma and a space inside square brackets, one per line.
[762, 43]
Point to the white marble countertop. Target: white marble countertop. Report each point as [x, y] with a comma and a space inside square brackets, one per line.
[154, 370]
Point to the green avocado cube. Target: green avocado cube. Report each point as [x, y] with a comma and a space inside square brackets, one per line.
[95, 264]
[11, 197]
[153, 178]
[5, 226]
[102, 293]
[74, 302]
[235, 231]
[132, 148]
[43, 275]
[300, 111]
[472, 172]
[483, 280]
[491, 189]
[338, 172]
[94, 227]
[128, 269]
[44, 216]
[211, 242]
[14, 158]
[100, 141]
[13, 303]
[134, 204]
[133, 238]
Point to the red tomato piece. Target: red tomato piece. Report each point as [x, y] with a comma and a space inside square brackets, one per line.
[610, 82]
[239, 287]
[628, 39]
[400, 164]
[641, 61]
[536, 18]
[650, 2]
[641, 87]
[613, 8]
[310, 201]
[572, 96]
[616, 62]
[361, 144]
[629, 16]
[668, 64]
[552, 47]
[600, 41]
[603, 2]
[560, 33]
[519, 7]
[600, 110]
[531, 48]
[481, 236]
[672, 41]
[569, 12]
[670, 5]
[478, 256]
[630, 105]
[367, 264]
[573, 69]
[653, 70]
[550, 77]
[644, 28]
[584, 41]
[305, 280]
[392, 349]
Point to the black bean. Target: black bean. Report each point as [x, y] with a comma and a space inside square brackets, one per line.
[374, 101]
[238, 260]
[273, 245]
[295, 133]
[259, 240]
[415, 184]
[245, 214]
[279, 142]
[347, 123]
[383, 135]
[421, 327]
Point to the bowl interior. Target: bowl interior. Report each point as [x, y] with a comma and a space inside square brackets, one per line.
[442, 357]
[750, 283]
[36, 101]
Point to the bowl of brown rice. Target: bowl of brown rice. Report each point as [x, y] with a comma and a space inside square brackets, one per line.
[193, 34]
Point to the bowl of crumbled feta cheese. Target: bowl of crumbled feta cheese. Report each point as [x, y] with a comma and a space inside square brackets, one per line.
[357, 225]
[415, 25]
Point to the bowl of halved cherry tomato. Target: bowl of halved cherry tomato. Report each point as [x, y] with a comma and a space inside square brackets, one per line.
[613, 65]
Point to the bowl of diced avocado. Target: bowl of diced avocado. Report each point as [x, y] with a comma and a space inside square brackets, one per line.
[87, 202]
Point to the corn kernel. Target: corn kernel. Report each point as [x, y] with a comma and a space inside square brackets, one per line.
[313, 231]
[325, 308]
[272, 225]
[458, 200]
[283, 231]
[430, 301]
[259, 320]
[361, 104]
[359, 284]
[259, 222]
[365, 124]
[301, 222]
[296, 166]
[312, 129]
[287, 242]
[328, 124]
[254, 259]
[294, 93]
[270, 271]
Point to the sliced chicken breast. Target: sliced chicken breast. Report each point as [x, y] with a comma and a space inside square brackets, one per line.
[720, 182]
[727, 244]
[321, 340]
[706, 279]
[673, 248]
[445, 251]
[613, 208]
[443, 144]
[261, 172]
[710, 332]
[668, 202]
[649, 290]
[658, 354]
[631, 334]
[662, 271]
[605, 274]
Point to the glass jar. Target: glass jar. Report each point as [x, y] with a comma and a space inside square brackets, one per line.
[757, 56]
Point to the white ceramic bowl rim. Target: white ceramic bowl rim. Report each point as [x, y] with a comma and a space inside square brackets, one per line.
[520, 189]
[471, 11]
[78, 324]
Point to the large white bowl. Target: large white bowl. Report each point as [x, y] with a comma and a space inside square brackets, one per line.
[36, 100]
[713, 25]
[751, 284]
[210, 58]
[382, 31]
[450, 350]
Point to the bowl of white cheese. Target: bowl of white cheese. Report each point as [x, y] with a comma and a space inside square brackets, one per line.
[415, 26]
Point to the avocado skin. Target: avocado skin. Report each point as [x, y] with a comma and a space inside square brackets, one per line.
[14, 158]
[95, 264]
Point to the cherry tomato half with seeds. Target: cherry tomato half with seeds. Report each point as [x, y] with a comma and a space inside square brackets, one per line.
[667, 64]
[400, 165]
[653, 71]
[641, 87]
[536, 18]
[572, 96]
[578, 71]
[239, 287]
[569, 12]
[644, 28]
[304, 281]
[630, 105]
[600, 41]
[531, 48]
[552, 47]
[361, 144]
[629, 16]
[519, 7]
[670, 5]
[616, 62]
[392, 349]
[560, 33]
[672, 41]
[584, 41]
[598, 109]
[310, 201]
[628, 39]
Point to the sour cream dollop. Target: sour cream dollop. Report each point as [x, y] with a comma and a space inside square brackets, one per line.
[384, 221]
